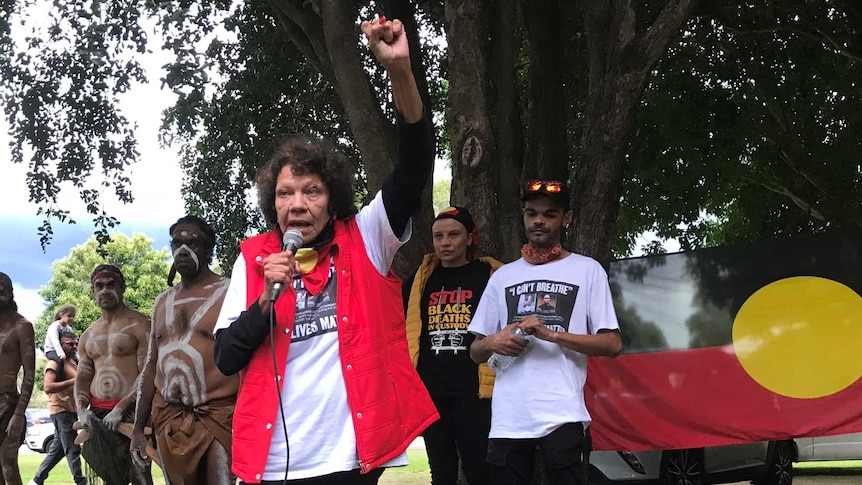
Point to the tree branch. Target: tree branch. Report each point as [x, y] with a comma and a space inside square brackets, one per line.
[374, 134]
[653, 43]
[823, 37]
[798, 201]
[305, 29]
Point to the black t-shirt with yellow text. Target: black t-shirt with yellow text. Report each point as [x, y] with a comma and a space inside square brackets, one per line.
[448, 302]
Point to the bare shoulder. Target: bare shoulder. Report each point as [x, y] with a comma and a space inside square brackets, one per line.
[217, 287]
[221, 281]
[95, 328]
[85, 335]
[21, 320]
[136, 317]
[23, 326]
[14, 320]
[160, 305]
[160, 300]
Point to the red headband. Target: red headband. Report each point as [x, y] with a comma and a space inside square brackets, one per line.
[106, 273]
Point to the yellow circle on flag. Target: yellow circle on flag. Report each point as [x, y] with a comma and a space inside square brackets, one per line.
[801, 337]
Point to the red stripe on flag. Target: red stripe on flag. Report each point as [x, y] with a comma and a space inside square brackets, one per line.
[702, 397]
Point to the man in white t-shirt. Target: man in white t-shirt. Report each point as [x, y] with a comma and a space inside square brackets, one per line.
[539, 398]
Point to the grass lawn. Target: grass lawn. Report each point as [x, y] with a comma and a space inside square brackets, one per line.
[61, 475]
[812, 467]
[415, 473]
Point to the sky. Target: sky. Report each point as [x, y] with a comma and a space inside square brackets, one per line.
[155, 183]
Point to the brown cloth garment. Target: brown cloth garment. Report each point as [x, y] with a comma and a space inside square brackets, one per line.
[8, 403]
[185, 434]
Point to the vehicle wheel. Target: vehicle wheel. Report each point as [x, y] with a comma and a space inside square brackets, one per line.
[47, 444]
[682, 467]
[779, 467]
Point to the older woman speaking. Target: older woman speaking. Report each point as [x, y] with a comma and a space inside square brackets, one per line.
[328, 392]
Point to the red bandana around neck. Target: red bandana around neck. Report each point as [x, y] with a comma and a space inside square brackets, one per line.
[315, 271]
[314, 264]
[534, 255]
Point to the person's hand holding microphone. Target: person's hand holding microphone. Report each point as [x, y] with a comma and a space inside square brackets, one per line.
[279, 268]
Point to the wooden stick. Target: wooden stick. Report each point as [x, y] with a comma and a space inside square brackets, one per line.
[147, 430]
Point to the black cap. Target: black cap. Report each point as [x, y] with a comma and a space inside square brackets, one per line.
[460, 214]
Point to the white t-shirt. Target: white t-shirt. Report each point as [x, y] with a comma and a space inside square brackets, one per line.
[52, 340]
[544, 387]
[319, 425]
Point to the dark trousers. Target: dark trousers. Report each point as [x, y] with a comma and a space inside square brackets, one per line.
[462, 429]
[62, 445]
[352, 477]
[566, 452]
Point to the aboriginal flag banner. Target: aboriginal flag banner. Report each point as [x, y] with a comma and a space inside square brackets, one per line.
[751, 342]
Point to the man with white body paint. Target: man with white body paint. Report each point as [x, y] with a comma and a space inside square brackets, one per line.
[191, 401]
[111, 353]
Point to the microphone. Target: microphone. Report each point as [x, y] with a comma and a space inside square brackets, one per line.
[291, 241]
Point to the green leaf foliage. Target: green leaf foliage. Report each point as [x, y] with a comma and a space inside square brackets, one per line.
[268, 90]
[59, 88]
[229, 129]
[145, 271]
[749, 129]
[440, 194]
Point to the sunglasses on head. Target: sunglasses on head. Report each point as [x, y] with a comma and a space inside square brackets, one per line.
[547, 186]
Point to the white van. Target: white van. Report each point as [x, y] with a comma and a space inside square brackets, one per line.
[828, 448]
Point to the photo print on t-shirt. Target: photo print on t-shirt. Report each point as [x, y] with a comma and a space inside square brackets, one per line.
[527, 303]
[551, 301]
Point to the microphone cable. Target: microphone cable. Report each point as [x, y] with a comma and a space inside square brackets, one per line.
[291, 240]
[277, 389]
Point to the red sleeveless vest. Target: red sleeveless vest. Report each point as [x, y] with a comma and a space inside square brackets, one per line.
[388, 402]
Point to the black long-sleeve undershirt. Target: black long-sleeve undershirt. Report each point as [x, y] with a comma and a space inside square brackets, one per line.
[402, 188]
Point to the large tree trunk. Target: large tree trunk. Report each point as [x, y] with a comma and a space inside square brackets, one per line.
[621, 56]
[469, 126]
[331, 43]
[548, 154]
[374, 133]
[509, 154]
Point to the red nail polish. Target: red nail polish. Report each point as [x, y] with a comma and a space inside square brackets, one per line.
[382, 19]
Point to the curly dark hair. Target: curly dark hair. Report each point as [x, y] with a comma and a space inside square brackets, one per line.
[202, 225]
[307, 156]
